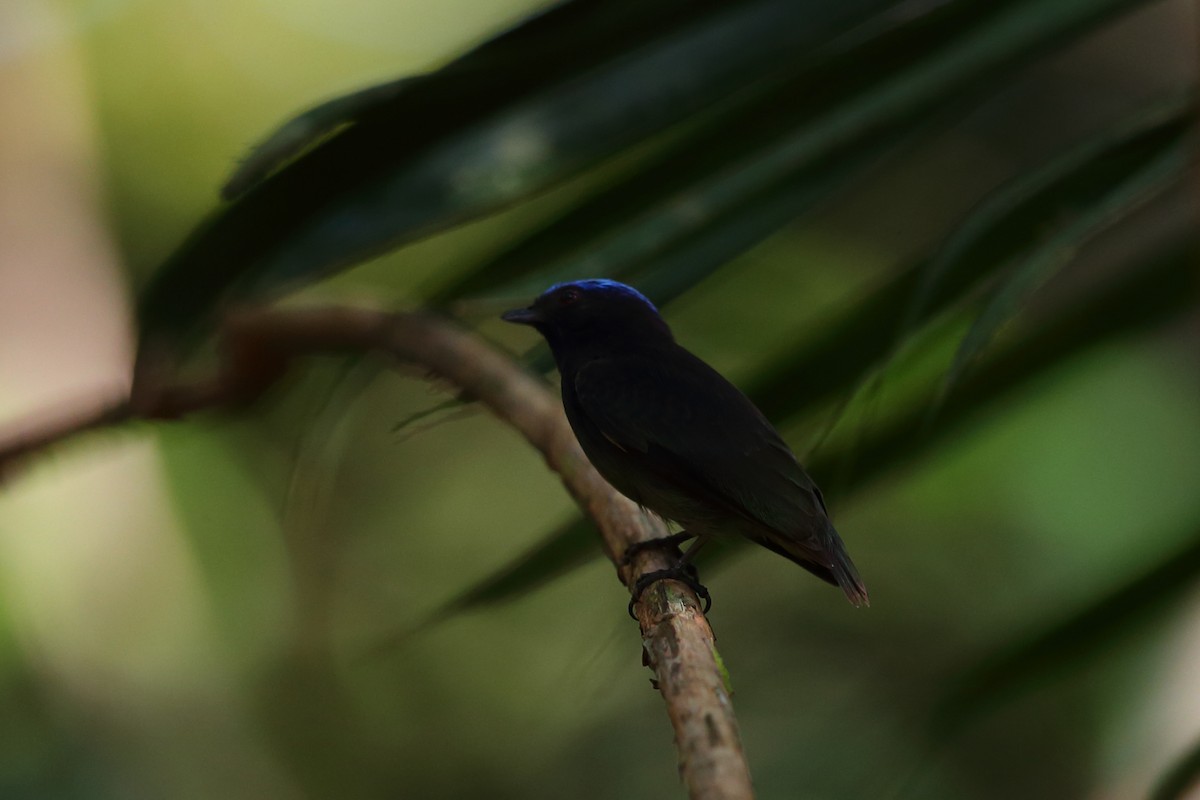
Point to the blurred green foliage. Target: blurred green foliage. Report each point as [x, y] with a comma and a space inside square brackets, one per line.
[829, 213]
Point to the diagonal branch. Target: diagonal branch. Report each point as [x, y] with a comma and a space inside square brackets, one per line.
[677, 640]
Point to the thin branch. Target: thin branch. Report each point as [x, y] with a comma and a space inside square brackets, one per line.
[677, 640]
[37, 433]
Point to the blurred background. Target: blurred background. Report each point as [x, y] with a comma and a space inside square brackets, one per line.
[980, 328]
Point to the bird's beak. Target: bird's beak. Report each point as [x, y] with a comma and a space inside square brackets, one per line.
[522, 316]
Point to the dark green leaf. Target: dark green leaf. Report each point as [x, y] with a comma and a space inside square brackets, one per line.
[672, 273]
[662, 197]
[1010, 216]
[545, 48]
[1141, 297]
[899, 77]
[362, 192]
[1054, 210]
[677, 270]
[846, 349]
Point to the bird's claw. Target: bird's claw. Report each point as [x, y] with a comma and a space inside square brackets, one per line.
[684, 573]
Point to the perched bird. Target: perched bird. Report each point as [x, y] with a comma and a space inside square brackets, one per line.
[671, 434]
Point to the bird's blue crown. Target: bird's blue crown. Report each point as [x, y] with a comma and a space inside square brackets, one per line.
[606, 286]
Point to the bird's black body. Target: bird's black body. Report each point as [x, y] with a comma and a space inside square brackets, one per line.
[669, 432]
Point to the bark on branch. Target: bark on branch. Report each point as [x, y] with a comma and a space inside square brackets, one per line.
[677, 640]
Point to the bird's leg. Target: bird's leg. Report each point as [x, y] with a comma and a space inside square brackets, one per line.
[683, 571]
[660, 542]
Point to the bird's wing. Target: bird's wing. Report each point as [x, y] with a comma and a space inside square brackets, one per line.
[699, 434]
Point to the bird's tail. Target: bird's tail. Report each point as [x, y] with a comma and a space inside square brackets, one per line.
[846, 575]
[831, 563]
[842, 569]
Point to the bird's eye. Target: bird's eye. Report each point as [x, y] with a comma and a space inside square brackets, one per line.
[568, 296]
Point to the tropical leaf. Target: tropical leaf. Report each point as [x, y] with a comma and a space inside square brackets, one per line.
[1138, 298]
[362, 192]
[901, 74]
[660, 193]
[672, 273]
[372, 186]
[546, 47]
[1085, 191]
[1009, 216]
[1006, 226]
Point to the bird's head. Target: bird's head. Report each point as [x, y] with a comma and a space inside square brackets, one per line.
[593, 313]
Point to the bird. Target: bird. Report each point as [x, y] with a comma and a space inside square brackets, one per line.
[673, 435]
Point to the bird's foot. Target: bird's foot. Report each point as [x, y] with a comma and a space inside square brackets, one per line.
[684, 573]
[660, 543]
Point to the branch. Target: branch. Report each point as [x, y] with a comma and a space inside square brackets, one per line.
[677, 640]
